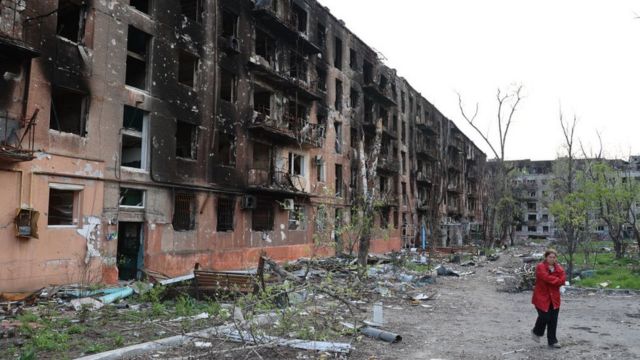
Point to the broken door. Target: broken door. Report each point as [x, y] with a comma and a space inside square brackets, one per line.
[130, 250]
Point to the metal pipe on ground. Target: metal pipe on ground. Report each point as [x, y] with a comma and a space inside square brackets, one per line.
[381, 334]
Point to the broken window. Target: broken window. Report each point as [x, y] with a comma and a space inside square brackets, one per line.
[229, 24]
[353, 59]
[531, 206]
[68, 111]
[228, 86]
[322, 79]
[338, 102]
[339, 192]
[338, 128]
[382, 185]
[403, 132]
[71, 20]
[296, 164]
[337, 50]
[138, 45]
[545, 229]
[532, 228]
[368, 110]
[367, 70]
[383, 82]
[227, 149]
[353, 180]
[354, 97]
[225, 210]
[353, 138]
[402, 102]
[299, 18]
[184, 210]
[192, 9]
[545, 217]
[261, 157]
[143, 6]
[532, 217]
[321, 218]
[134, 138]
[297, 67]
[186, 140]
[395, 219]
[265, 46]
[187, 68]
[262, 216]
[403, 163]
[395, 123]
[131, 198]
[384, 218]
[321, 33]
[63, 203]
[262, 101]
[298, 218]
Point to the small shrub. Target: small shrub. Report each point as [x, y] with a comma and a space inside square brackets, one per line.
[185, 305]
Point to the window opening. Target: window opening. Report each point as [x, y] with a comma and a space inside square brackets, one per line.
[228, 86]
[339, 190]
[187, 68]
[184, 208]
[137, 58]
[227, 149]
[131, 198]
[192, 9]
[338, 102]
[141, 5]
[337, 56]
[225, 211]
[262, 216]
[186, 140]
[298, 218]
[70, 24]
[62, 205]
[68, 111]
[134, 138]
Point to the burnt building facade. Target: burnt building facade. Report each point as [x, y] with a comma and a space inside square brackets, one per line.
[153, 135]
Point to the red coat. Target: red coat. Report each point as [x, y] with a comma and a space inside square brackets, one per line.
[547, 288]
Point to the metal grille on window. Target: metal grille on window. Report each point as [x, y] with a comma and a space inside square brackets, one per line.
[262, 216]
[184, 212]
[225, 214]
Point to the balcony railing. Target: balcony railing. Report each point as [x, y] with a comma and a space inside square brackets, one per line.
[386, 162]
[275, 180]
[424, 176]
[426, 148]
[427, 125]
[386, 199]
[279, 76]
[286, 26]
[290, 128]
[17, 145]
[381, 94]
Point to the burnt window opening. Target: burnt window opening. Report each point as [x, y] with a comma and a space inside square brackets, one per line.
[192, 9]
[320, 170]
[403, 132]
[262, 101]
[321, 218]
[532, 229]
[338, 102]
[532, 217]
[274, 6]
[545, 217]
[143, 6]
[296, 164]
[338, 183]
[227, 149]
[225, 211]
[184, 211]
[545, 229]
[403, 162]
[131, 198]
[354, 98]
[353, 138]
[321, 34]
[134, 138]
[62, 207]
[322, 79]
[404, 109]
[405, 197]
[353, 180]
[394, 123]
[186, 140]
[368, 110]
[338, 221]
[384, 115]
[187, 68]
[338, 129]
[229, 24]
[261, 157]
[228, 86]
[68, 111]
[384, 218]
[353, 59]
[367, 72]
[299, 18]
[297, 67]
[337, 53]
[71, 20]
[395, 219]
[296, 115]
[298, 218]
[383, 185]
[138, 45]
[265, 46]
[262, 216]
[383, 82]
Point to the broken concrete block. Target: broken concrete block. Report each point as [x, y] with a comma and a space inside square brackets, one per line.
[89, 303]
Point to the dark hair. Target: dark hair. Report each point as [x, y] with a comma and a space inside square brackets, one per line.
[549, 252]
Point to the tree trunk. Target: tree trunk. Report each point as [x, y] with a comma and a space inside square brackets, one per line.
[617, 246]
[363, 247]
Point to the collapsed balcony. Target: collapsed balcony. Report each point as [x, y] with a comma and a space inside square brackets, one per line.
[294, 82]
[379, 91]
[292, 27]
[386, 199]
[11, 149]
[427, 125]
[426, 148]
[289, 129]
[388, 164]
[456, 142]
[276, 181]
[424, 176]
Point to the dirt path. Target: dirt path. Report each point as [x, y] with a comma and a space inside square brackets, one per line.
[471, 320]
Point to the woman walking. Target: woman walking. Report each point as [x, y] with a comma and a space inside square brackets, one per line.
[546, 297]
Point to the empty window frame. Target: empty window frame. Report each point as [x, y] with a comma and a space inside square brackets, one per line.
[532, 217]
[297, 67]
[296, 164]
[229, 24]
[405, 197]
[192, 9]
[353, 137]
[298, 218]
[338, 129]
[299, 18]
[138, 46]
[227, 149]
[403, 132]
[68, 111]
[354, 98]
[134, 138]
[321, 218]
[353, 59]
[262, 101]
[71, 20]
[262, 216]
[225, 211]
[186, 140]
[321, 34]
[367, 72]
[228, 86]
[532, 228]
[63, 205]
[337, 53]
[403, 161]
[531, 206]
[338, 181]
[187, 68]
[545, 229]
[143, 6]
[320, 170]
[545, 217]
[184, 211]
[131, 198]
[338, 102]
[265, 46]
[322, 79]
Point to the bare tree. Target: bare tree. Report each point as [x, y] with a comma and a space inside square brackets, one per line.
[500, 200]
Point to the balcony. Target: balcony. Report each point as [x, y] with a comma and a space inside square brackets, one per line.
[454, 188]
[285, 27]
[276, 181]
[386, 199]
[424, 176]
[456, 142]
[266, 70]
[290, 129]
[380, 94]
[453, 209]
[426, 148]
[11, 142]
[387, 163]
[427, 125]
[423, 204]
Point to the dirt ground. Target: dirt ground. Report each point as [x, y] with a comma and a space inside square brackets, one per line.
[471, 320]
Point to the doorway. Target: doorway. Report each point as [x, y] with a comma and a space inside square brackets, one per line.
[130, 250]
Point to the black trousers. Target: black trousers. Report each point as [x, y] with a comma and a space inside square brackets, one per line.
[548, 320]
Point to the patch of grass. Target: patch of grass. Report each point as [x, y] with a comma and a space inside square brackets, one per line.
[96, 348]
[76, 329]
[118, 340]
[420, 268]
[49, 340]
[158, 309]
[28, 317]
[185, 305]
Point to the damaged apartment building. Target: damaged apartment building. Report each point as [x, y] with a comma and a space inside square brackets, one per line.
[148, 135]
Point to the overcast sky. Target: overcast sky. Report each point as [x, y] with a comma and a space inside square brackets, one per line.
[582, 54]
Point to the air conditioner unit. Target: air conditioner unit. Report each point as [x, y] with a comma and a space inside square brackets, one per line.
[249, 202]
[287, 204]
